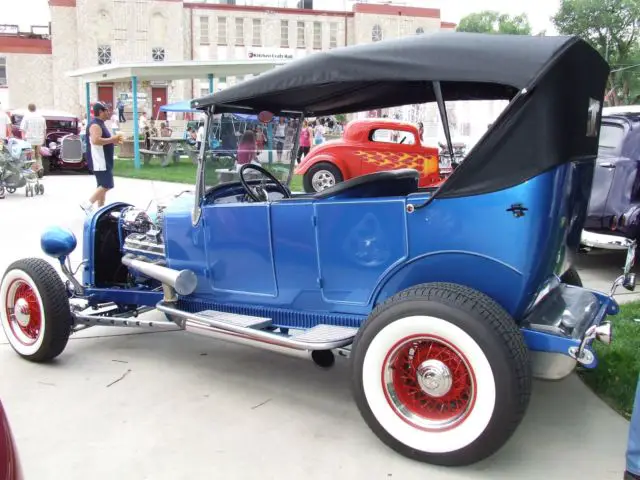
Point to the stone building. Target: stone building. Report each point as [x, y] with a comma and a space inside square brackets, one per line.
[88, 33]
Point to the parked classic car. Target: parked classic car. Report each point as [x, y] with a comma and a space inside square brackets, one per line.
[447, 301]
[63, 146]
[10, 468]
[613, 219]
[367, 146]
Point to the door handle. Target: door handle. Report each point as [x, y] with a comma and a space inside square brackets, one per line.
[607, 165]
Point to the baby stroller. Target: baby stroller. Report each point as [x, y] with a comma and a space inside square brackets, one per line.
[15, 169]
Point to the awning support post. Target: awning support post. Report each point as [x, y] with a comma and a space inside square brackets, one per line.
[210, 83]
[87, 89]
[136, 123]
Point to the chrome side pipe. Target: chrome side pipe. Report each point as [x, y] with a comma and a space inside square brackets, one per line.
[184, 282]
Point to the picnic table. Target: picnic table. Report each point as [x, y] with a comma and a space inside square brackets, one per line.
[168, 148]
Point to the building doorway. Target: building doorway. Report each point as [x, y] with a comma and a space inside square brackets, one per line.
[105, 94]
[158, 99]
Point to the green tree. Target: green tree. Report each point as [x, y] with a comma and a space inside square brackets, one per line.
[489, 21]
[613, 28]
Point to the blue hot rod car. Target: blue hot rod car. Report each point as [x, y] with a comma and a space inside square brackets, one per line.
[447, 301]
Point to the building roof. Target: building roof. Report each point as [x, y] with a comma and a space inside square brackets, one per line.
[173, 70]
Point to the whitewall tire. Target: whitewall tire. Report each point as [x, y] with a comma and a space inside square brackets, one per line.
[34, 310]
[441, 374]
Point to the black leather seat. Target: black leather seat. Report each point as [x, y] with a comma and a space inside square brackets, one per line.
[390, 183]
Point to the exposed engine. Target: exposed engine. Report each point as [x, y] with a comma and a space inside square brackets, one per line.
[141, 235]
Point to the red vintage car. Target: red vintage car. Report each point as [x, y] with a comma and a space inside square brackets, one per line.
[63, 147]
[10, 468]
[369, 145]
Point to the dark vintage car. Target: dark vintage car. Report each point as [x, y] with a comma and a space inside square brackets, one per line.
[10, 468]
[613, 218]
[63, 146]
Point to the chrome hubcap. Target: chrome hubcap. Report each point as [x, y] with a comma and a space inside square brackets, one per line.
[322, 179]
[434, 378]
[21, 312]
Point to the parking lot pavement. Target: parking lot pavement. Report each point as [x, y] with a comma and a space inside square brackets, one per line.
[126, 404]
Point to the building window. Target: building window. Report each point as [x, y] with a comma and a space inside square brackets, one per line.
[257, 32]
[240, 32]
[104, 54]
[157, 54]
[333, 35]
[222, 30]
[284, 33]
[317, 35]
[3, 71]
[204, 30]
[419, 31]
[301, 43]
[376, 33]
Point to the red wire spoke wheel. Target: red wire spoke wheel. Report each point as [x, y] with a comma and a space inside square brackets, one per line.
[23, 311]
[428, 383]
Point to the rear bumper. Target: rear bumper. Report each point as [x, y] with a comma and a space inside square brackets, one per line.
[560, 329]
[605, 241]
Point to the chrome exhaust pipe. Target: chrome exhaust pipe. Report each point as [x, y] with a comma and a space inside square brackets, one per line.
[184, 282]
[219, 334]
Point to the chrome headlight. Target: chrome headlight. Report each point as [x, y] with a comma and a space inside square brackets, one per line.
[53, 145]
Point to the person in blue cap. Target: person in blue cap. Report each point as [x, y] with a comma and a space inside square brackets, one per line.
[100, 150]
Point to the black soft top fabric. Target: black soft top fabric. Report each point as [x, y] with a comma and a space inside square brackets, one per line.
[556, 86]
[395, 72]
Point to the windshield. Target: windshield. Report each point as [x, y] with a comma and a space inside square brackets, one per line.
[234, 140]
[611, 136]
[61, 124]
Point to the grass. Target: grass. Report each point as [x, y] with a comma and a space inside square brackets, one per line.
[182, 172]
[616, 376]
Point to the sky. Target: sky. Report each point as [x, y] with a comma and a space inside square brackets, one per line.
[36, 12]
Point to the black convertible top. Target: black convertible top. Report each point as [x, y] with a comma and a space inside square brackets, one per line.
[556, 85]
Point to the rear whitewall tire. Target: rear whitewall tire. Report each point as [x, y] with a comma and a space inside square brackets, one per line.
[441, 374]
[436, 441]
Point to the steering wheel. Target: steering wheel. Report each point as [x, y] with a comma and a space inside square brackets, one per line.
[257, 193]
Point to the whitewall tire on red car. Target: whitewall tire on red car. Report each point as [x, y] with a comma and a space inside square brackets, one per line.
[34, 310]
[441, 374]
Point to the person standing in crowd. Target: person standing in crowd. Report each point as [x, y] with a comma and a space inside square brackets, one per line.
[247, 150]
[33, 127]
[200, 136]
[632, 471]
[120, 107]
[100, 150]
[318, 134]
[305, 140]
[421, 131]
[5, 124]
[279, 137]
[142, 122]
[113, 123]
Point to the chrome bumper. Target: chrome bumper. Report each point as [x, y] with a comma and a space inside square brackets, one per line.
[606, 241]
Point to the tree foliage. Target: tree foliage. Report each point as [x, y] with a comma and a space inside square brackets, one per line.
[489, 21]
[613, 28]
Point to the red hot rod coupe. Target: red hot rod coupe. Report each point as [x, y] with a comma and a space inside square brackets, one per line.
[447, 300]
[367, 146]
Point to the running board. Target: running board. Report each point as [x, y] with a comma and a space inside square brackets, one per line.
[249, 330]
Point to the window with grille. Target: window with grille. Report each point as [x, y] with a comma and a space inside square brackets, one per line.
[317, 35]
[157, 54]
[376, 33]
[333, 35]
[104, 54]
[284, 33]
[222, 30]
[204, 30]
[3, 71]
[257, 33]
[301, 43]
[240, 31]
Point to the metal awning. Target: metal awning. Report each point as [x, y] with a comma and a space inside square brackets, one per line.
[173, 70]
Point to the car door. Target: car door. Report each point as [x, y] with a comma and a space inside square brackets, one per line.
[383, 152]
[239, 249]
